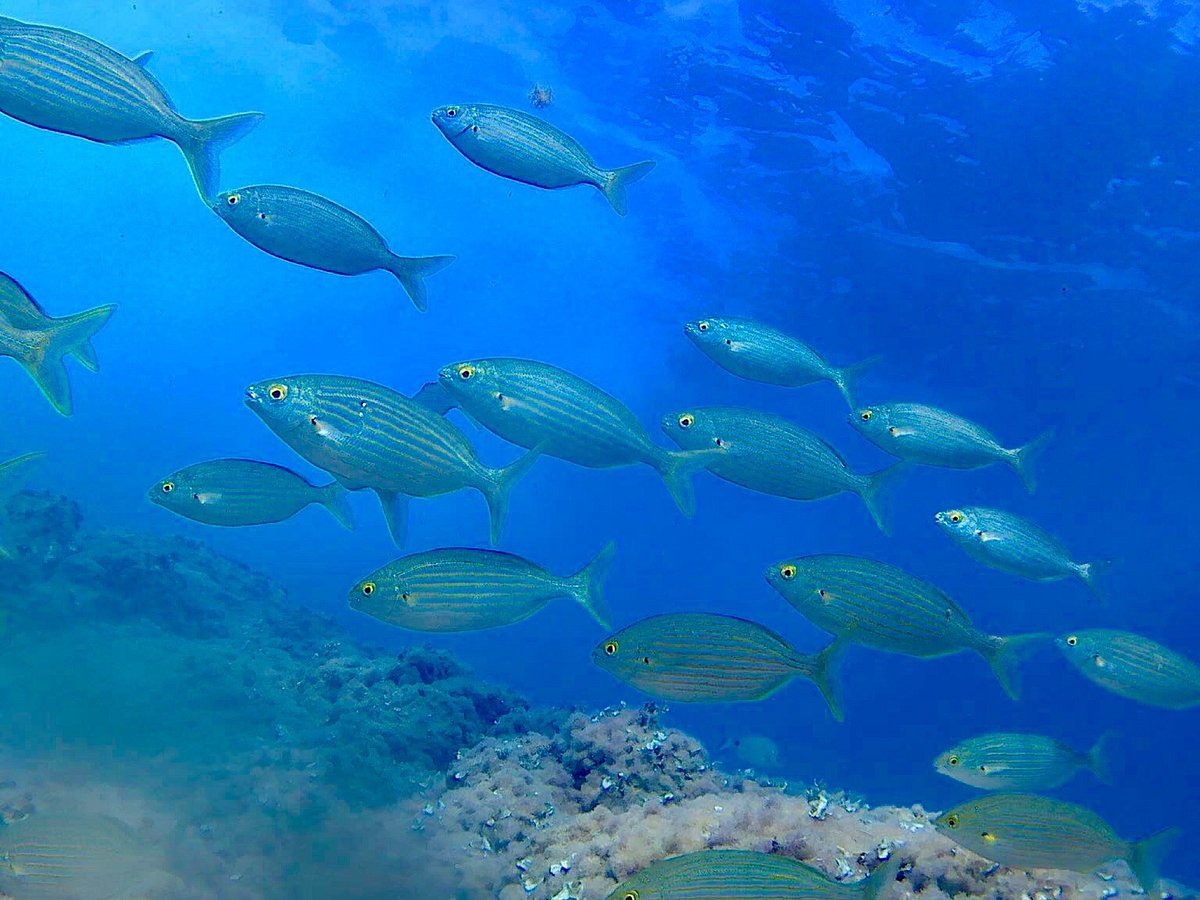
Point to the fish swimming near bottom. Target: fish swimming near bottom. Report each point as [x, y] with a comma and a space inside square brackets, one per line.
[709, 658]
[10, 482]
[1033, 832]
[747, 875]
[234, 492]
[1134, 666]
[460, 589]
[755, 750]
[1021, 762]
[41, 343]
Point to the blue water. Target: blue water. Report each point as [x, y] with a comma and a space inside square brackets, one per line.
[998, 198]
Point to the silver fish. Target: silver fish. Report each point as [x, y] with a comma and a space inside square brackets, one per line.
[235, 492]
[1005, 761]
[1134, 666]
[759, 352]
[769, 454]
[306, 228]
[934, 437]
[64, 81]
[1015, 545]
[520, 146]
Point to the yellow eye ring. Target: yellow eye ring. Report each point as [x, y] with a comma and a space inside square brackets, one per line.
[956, 517]
[630, 895]
[277, 391]
[1072, 641]
[451, 111]
[686, 420]
[368, 589]
[952, 821]
[787, 572]
[233, 199]
[953, 760]
[866, 414]
[610, 649]
[466, 372]
[168, 486]
[703, 326]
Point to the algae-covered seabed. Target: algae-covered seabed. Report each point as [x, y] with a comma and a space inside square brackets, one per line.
[260, 753]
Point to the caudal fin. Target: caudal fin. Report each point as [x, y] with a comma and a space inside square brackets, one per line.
[587, 585]
[333, 498]
[876, 884]
[500, 487]
[1146, 857]
[1023, 459]
[412, 271]
[1099, 758]
[395, 513]
[62, 338]
[1092, 575]
[873, 486]
[847, 379]
[1005, 655]
[677, 467]
[616, 181]
[822, 670]
[202, 145]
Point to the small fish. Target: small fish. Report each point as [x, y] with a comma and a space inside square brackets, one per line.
[1134, 666]
[62, 81]
[305, 228]
[468, 590]
[520, 146]
[881, 606]
[1021, 762]
[747, 875]
[1032, 832]
[1015, 545]
[707, 658]
[238, 492]
[759, 352]
[41, 343]
[769, 454]
[10, 482]
[370, 437]
[533, 404]
[934, 437]
[755, 750]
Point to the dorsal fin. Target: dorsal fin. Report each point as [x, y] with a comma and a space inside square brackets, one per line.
[143, 58]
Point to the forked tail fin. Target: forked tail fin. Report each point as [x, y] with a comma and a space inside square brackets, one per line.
[1023, 458]
[62, 338]
[411, 272]
[677, 467]
[616, 181]
[333, 498]
[499, 487]
[203, 142]
[587, 585]
[1146, 857]
[1005, 655]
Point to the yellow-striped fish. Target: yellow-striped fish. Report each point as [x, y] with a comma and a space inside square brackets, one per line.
[460, 589]
[747, 875]
[371, 438]
[533, 404]
[22, 311]
[1134, 667]
[1005, 761]
[1034, 832]
[708, 658]
[64, 81]
[881, 606]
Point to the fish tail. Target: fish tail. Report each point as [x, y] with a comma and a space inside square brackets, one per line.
[1146, 857]
[434, 397]
[395, 513]
[412, 271]
[587, 585]
[500, 487]
[616, 181]
[677, 467]
[877, 882]
[873, 486]
[203, 142]
[333, 498]
[1005, 655]
[1023, 458]
[822, 670]
[1092, 575]
[1099, 758]
[847, 379]
[64, 337]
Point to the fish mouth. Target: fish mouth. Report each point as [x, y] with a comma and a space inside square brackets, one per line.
[252, 397]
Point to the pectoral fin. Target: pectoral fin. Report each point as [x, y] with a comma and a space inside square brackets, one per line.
[986, 536]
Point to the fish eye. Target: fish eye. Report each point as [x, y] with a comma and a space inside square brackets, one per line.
[168, 486]
[703, 326]
[610, 649]
[956, 517]
[466, 372]
[787, 572]
[866, 414]
[451, 112]
[953, 760]
[1072, 641]
[630, 895]
[263, 216]
[686, 420]
[277, 391]
[233, 199]
[368, 589]
[952, 821]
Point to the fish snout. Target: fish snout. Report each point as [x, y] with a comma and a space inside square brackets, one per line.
[252, 396]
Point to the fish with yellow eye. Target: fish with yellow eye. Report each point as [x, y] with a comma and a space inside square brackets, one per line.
[1028, 831]
[759, 352]
[310, 230]
[769, 454]
[236, 492]
[1134, 666]
[934, 437]
[1004, 761]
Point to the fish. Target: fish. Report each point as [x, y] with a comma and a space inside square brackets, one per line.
[308, 229]
[1134, 666]
[755, 750]
[10, 482]
[74, 855]
[534, 404]
[934, 437]
[747, 875]
[67, 82]
[769, 454]
[370, 437]
[709, 658]
[1015, 545]
[1022, 762]
[41, 343]
[1032, 832]
[460, 589]
[758, 352]
[881, 606]
[517, 145]
[235, 492]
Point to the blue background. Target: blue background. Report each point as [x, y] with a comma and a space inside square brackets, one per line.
[999, 198]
